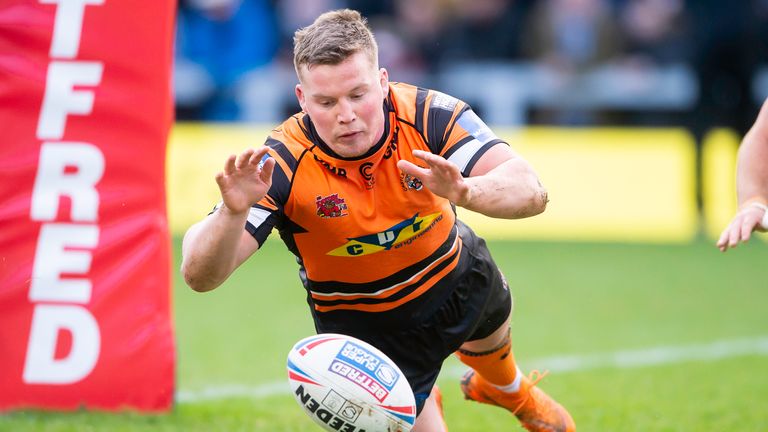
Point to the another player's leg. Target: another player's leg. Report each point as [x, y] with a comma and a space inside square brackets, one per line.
[431, 417]
[495, 379]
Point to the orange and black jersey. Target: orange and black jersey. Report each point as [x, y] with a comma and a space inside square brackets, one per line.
[371, 241]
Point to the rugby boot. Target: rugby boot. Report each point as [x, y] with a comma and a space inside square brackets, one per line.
[536, 411]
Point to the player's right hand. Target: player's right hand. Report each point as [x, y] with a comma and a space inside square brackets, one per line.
[245, 180]
[747, 220]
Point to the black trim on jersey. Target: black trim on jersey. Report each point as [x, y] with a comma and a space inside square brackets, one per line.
[449, 129]
[261, 233]
[439, 126]
[288, 229]
[458, 145]
[479, 154]
[305, 124]
[394, 279]
[397, 296]
[421, 99]
[281, 186]
[282, 150]
[406, 122]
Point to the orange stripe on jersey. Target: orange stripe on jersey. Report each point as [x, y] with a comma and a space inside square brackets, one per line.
[394, 289]
[268, 202]
[453, 134]
[383, 307]
[283, 164]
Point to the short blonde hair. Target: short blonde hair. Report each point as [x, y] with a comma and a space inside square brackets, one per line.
[332, 38]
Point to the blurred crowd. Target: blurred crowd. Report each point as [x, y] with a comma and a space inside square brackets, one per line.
[572, 62]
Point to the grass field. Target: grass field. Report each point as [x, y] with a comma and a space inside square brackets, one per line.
[637, 337]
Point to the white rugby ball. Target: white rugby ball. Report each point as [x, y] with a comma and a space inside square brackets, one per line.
[345, 384]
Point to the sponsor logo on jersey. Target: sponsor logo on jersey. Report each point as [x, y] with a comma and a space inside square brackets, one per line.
[410, 182]
[365, 171]
[392, 146]
[341, 172]
[401, 234]
[443, 101]
[331, 206]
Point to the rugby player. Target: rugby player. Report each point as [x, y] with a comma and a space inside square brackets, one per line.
[751, 185]
[362, 187]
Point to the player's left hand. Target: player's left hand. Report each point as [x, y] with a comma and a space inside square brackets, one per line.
[741, 227]
[441, 177]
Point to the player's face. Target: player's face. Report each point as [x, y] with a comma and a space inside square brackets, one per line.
[345, 103]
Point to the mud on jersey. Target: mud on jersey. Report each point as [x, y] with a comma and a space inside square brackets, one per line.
[371, 240]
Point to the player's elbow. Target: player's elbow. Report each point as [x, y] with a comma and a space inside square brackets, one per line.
[197, 280]
[539, 199]
[533, 202]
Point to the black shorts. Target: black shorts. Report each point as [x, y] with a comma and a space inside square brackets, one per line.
[478, 305]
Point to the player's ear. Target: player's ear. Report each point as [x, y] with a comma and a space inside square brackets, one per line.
[384, 81]
[301, 97]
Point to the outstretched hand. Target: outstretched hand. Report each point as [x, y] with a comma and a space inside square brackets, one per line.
[747, 220]
[441, 177]
[244, 181]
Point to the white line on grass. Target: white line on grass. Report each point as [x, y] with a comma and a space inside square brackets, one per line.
[565, 363]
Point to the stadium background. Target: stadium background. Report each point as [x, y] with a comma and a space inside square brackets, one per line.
[631, 111]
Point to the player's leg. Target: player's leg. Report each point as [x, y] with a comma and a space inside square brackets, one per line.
[431, 417]
[495, 379]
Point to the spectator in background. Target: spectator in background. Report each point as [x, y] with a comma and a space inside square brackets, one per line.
[294, 14]
[726, 42]
[217, 43]
[751, 185]
[484, 30]
[569, 38]
[571, 35]
[421, 24]
[655, 31]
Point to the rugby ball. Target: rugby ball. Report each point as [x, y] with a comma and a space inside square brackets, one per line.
[345, 384]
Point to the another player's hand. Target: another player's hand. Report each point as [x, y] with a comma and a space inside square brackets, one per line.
[441, 177]
[244, 181]
[741, 227]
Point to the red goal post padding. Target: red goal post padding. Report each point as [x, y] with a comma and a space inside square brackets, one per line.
[85, 110]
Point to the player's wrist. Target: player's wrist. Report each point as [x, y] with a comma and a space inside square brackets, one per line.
[465, 197]
[230, 212]
[758, 203]
[755, 201]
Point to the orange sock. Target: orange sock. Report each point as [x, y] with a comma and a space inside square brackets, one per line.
[497, 366]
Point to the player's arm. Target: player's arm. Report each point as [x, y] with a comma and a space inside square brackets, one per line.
[213, 248]
[501, 184]
[751, 184]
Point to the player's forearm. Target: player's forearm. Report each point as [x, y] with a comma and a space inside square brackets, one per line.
[209, 250]
[510, 191]
[752, 177]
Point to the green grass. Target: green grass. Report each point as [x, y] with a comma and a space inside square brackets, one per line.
[571, 299]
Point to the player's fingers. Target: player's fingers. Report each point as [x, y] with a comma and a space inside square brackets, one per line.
[220, 179]
[258, 155]
[746, 229]
[722, 242]
[421, 154]
[229, 165]
[735, 233]
[243, 159]
[431, 159]
[412, 169]
[266, 170]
